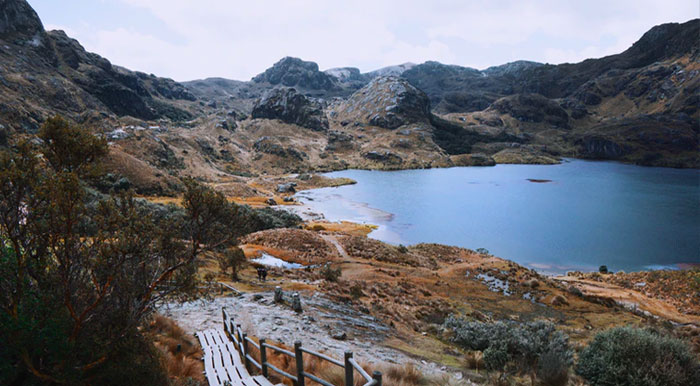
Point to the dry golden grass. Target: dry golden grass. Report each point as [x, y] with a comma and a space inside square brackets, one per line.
[392, 375]
[180, 353]
[346, 227]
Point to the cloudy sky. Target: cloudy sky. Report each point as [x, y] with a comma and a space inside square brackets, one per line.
[192, 39]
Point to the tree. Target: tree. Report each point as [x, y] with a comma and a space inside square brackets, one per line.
[70, 148]
[232, 259]
[80, 274]
[629, 356]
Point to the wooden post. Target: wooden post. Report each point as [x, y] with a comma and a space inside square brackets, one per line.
[263, 357]
[300, 363]
[223, 316]
[377, 376]
[245, 352]
[240, 342]
[349, 370]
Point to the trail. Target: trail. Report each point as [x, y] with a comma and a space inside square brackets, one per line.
[331, 239]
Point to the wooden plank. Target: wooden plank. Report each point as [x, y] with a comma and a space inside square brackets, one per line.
[262, 381]
[209, 368]
[228, 363]
[219, 365]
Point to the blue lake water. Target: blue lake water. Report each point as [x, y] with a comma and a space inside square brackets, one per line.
[591, 213]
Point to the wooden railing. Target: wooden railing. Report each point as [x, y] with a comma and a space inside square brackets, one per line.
[242, 343]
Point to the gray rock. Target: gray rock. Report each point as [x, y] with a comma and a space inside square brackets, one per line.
[286, 187]
[339, 335]
[289, 106]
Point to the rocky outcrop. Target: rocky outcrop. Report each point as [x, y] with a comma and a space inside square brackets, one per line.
[294, 72]
[269, 145]
[383, 157]
[18, 18]
[387, 102]
[599, 147]
[289, 106]
[533, 108]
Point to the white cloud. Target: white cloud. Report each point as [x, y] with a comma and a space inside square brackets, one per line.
[240, 39]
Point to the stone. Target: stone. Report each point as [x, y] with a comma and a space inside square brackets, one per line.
[339, 335]
[271, 202]
[288, 187]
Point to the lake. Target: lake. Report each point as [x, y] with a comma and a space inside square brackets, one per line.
[574, 216]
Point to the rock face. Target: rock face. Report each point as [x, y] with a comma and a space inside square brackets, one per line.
[388, 102]
[287, 105]
[533, 108]
[54, 74]
[18, 17]
[294, 72]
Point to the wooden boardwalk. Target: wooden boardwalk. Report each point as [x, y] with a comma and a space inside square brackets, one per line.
[227, 359]
[223, 364]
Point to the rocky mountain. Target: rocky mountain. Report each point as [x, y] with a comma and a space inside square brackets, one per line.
[43, 73]
[294, 72]
[638, 106]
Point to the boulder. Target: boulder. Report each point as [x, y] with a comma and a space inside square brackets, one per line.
[289, 106]
[286, 187]
[339, 335]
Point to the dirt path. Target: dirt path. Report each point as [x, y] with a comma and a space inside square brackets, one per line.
[331, 239]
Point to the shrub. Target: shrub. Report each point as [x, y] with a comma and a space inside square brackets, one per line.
[631, 356]
[402, 248]
[482, 251]
[330, 274]
[356, 291]
[603, 269]
[528, 348]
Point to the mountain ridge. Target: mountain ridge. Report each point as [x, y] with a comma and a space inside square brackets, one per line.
[639, 106]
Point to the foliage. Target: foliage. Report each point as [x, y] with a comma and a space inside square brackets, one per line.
[81, 271]
[402, 248]
[603, 269]
[69, 148]
[482, 251]
[232, 259]
[356, 291]
[527, 348]
[330, 274]
[268, 218]
[631, 356]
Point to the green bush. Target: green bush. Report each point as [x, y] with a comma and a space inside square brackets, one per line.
[402, 248]
[536, 349]
[628, 356]
[603, 269]
[330, 274]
